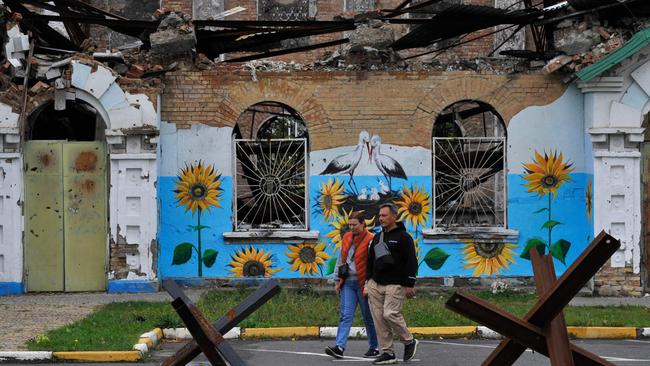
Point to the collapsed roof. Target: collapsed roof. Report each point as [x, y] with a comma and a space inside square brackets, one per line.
[262, 39]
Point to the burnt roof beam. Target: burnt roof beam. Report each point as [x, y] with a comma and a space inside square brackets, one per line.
[77, 35]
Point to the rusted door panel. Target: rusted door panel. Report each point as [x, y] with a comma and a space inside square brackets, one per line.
[43, 216]
[85, 218]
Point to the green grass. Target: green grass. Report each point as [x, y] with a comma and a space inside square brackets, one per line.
[117, 326]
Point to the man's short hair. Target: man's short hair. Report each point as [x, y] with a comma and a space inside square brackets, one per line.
[391, 206]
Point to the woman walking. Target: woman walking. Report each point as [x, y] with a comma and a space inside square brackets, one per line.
[350, 276]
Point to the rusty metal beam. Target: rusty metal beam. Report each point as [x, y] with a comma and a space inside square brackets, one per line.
[508, 325]
[235, 315]
[552, 302]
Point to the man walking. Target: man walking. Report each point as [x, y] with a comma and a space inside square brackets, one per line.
[391, 270]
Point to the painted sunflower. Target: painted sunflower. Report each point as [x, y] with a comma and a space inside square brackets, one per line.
[198, 187]
[251, 262]
[488, 258]
[547, 173]
[589, 200]
[307, 258]
[331, 197]
[414, 206]
[340, 227]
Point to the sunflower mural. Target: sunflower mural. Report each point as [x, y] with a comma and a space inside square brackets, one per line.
[340, 227]
[545, 175]
[251, 262]
[329, 199]
[198, 188]
[413, 208]
[307, 258]
[488, 258]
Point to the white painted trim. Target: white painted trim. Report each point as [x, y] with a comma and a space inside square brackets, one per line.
[272, 235]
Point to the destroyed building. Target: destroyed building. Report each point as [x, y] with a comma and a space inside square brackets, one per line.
[229, 140]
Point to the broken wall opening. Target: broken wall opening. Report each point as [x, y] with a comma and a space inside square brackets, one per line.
[77, 122]
[271, 148]
[469, 167]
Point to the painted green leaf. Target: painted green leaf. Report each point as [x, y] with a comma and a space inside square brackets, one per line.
[331, 265]
[541, 210]
[550, 224]
[197, 227]
[182, 253]
[533, 243]
[209, 257]
[559, 249]
[435, 258]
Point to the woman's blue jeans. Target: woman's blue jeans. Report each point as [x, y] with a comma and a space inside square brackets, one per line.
[350, 296]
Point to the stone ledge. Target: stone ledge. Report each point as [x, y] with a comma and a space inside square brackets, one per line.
[479, 235]
[279, 235]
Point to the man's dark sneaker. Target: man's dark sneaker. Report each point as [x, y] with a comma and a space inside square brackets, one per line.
[336, 351]
[372, 353]
[410, 349]
[385, 359]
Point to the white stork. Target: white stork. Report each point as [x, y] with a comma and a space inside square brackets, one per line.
[388, 166]
[347, 163]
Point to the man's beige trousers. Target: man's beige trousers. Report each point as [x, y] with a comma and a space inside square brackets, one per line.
[386, 308]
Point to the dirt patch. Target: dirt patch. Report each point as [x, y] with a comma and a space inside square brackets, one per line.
[20, 322]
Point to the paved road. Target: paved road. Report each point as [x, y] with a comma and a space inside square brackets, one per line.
[439, 353]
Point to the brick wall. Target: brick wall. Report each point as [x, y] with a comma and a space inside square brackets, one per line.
[617, 282]
[400, 106]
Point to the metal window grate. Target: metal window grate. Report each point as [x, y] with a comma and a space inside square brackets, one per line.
[270, 184]
[469, 182]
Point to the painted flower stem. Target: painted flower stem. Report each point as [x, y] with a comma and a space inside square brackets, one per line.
[550, 228]
[199, 234]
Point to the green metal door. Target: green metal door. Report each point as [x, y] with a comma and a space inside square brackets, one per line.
[69, 253]
[85, 219]
[43, 216]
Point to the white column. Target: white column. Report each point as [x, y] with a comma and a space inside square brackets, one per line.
[11, 245]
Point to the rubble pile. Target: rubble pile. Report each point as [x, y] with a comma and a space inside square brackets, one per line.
[584, 43]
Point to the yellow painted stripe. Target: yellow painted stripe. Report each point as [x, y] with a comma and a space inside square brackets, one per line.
[281, 332]
[147, 341]
[99, 356]
[159, 333]
[443, 331]
[602, 332]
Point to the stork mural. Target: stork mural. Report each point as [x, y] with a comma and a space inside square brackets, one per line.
[348, 163]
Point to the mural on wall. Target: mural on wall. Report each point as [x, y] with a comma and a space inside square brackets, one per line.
[545, 175]
[335, 204]
[206, 213]
[197, 189]
[251, 262]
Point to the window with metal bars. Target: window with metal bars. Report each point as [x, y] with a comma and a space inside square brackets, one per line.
[270, 180]
[469, 167]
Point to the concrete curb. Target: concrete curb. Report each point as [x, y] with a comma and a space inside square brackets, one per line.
[149, 341]
[25, 356]
[480, 332]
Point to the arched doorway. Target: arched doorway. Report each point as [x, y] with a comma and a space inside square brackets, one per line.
[66, 220]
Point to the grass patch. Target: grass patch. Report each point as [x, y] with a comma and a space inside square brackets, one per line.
[117, 326]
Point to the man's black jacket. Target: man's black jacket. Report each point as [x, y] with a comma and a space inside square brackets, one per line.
[402, 249]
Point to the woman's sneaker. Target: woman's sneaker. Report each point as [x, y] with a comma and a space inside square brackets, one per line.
[336, 351]
[410, 349]
[385, 359]
[372, 353]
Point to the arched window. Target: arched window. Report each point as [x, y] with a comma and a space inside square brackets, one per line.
[469, 167]
[271, 169]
